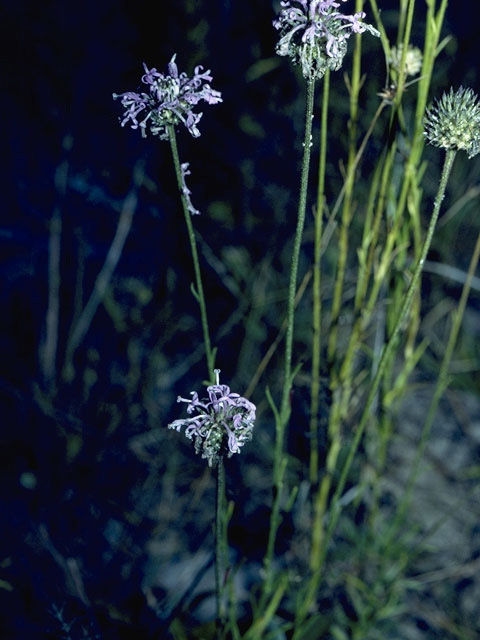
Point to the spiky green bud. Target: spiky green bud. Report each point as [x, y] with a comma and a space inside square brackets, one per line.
[453, 122]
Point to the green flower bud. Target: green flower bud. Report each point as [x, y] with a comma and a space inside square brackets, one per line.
[453, 122]
[413, 59]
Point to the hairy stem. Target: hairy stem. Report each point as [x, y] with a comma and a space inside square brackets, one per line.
[282, 417]
[287, 382]
[199, 294]
[219, 544]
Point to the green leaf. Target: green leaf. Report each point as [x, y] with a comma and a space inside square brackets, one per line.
[194, 292]
[272, 404]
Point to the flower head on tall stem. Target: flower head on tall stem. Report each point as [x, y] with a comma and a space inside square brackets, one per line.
[220, 424]
[453, 122]
[169, 100]
[314, 34]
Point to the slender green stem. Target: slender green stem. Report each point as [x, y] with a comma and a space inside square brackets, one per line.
[413, 200]
[219, 546]
[381, 28]
[320, 502]
[348, 199]
[411, 192]
[432, 34]
[368, 235]
[275, 519]
[440, 387]
[384, 358]
[352, 168]
[406, 39]
[198, 292]
[317, 297]
[282, 416]
[365, 270]
[287, 382]
[267, 612]
[390, 345]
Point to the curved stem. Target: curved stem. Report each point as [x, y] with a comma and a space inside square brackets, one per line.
[199, 294]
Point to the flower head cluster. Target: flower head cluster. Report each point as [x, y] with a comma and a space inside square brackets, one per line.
[169, 100]
[413, 59]
[453, 122]
[314, 34]
[220, 424]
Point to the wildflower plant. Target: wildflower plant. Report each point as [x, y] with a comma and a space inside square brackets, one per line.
[219, 425]
[313, 34]
[169, 102]
[224, 421]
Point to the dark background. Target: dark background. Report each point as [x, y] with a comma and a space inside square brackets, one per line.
[80, 503]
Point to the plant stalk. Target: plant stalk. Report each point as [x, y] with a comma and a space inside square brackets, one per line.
[317, 280]
[199, 293]
[282, 416]
[219, 545]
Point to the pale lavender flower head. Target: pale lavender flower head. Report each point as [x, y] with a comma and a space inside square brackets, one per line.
[314, 34]
[220, 424]
[169, 99]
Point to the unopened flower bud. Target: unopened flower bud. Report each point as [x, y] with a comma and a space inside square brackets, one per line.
[453, 122]
[413, 59]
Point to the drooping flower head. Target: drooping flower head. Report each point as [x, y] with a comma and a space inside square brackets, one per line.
[220, 424]
[169, 100]
[314, 34]
[453, 122]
